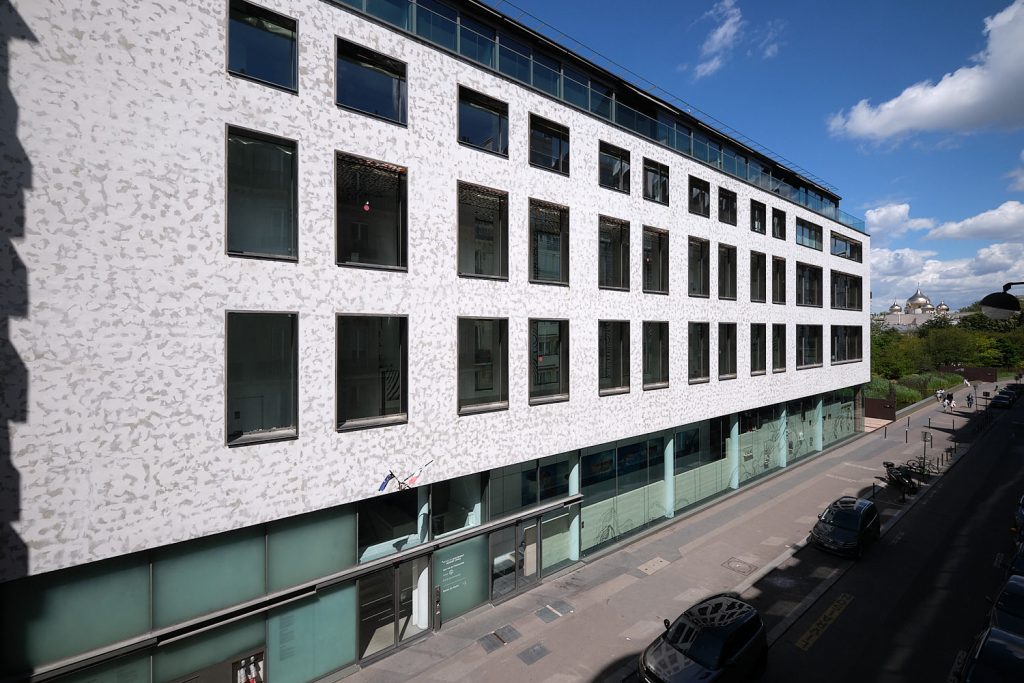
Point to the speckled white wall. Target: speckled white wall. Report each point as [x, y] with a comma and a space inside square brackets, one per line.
[122, 111]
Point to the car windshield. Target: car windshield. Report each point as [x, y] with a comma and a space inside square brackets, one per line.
[844, 519]
[702, 645]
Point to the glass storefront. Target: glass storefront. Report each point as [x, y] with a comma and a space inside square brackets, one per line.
[701, 468]
[760, 441]
[801, 428]
[837, 420]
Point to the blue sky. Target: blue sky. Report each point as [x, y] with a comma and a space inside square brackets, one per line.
[914, 110]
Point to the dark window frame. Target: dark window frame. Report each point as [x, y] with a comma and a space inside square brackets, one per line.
[621, 247]
[402, 214]
[622, 157]
[758, 285]
[854, 289]
[778, 224]
[758, 348]
[661, 173]
[489, 104]
[357, 423]
[622, 327]
[809, 289]
[727, 207]
[778, 350]
[847, 344]
[663, 257]
[555, 131]
[564, 359]
[267, 15]
[851, 249]
[258, 136]
[281, 434]
[809, 234]
[699, 203]
[803, 346]
[704, 368]
[703, 262]
[493, 406]
[376, 60]
[778, 280]
[661, 327]
[563, 243]
[727, 275]
[502, 198]
[758, 215]
[727, 346]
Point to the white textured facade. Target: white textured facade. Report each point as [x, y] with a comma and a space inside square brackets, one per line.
[122, 111]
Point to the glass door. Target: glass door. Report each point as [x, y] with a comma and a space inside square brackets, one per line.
[503, 562]
[394, 605]
[526, 553]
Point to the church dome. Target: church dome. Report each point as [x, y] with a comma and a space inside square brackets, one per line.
[895, 308]
[918, 300]
[942, 307]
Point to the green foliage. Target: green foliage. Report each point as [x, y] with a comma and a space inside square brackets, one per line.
[982, 323]
[878, 387]
[929, 382]
[939, 322]
[951, 347]
[906, 396]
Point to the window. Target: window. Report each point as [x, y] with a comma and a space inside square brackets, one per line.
[483, 122]
[758, 348]
[726, 206]
[514, 58]
[699, 267]
[655, 181]
[370, 82]
[549, 243]
[549, 360]
[778, 280]
[613, 356]
[779, 224]
[700, 197]
[758, 276]
[613, 253]
[808, 285]
[808, 234]
[699, 351]
[726, 350]
[261, 46]
[476, 40]
[262, 376]
[262, 196]
[846, 291]
[726, 272]
[846, 343]
[846, 248]
[372, 370]
[483, 364]
[778, 348]
[758, 216]
[437, 22]
[483, 232]
[613, 168]
[655, 261]
[655, 355]
[549, 145]
[371, 213]
[808, 346]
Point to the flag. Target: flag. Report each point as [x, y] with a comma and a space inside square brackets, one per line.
[413, 478]
[384, 484]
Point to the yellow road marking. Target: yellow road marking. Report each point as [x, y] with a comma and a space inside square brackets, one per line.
[824, 621]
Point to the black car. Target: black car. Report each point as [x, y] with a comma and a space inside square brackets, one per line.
[997, 656]
[721, 638]
[847, 526]
[1008, 610]
[1000, 401]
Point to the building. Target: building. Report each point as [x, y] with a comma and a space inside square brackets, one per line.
[918, 310]
[266, 257]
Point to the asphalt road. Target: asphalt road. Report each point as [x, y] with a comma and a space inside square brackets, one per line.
[907, 610]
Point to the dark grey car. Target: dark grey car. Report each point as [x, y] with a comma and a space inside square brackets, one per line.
[721, 638]
[847, 526]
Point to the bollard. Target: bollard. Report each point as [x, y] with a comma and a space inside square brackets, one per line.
[929, 423]
[906, 436]
[885, 431]
[908, 422]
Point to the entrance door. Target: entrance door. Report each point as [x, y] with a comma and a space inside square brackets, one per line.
[527, 550]
[394, 605]
[515, 558]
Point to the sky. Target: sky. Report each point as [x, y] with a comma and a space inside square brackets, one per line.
[913, 110]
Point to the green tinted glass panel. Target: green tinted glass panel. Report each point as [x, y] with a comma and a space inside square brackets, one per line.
[223, 645]
[131, 669]
[68, 612]
[556, 539]
[198, 577]
[310, 546]
[312, 638]
[460, 571]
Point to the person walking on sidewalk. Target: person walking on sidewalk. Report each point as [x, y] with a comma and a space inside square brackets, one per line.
[970, 402]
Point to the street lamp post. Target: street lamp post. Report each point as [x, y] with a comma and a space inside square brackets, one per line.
[1001, 305]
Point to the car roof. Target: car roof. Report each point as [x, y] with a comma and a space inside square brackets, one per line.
[850, 503]
[1002, 651]
[722, 613]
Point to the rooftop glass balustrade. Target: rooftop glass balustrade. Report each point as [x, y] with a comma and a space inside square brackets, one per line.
[449, 30]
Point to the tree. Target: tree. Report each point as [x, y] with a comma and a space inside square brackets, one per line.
[951, 347]
[983, 323]
[938, 322]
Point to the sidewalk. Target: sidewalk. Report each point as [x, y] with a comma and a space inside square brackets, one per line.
[590, 622]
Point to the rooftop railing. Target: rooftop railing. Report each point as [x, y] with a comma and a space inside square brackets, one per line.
[441, 25]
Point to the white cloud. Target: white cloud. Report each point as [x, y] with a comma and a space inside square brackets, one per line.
[987, 93]
[770, 43]
[895, 274]
[886, 223]
[1004, 222]
[1017, 176]
[722, 39]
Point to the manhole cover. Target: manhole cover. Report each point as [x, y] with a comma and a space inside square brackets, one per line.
[738, 565]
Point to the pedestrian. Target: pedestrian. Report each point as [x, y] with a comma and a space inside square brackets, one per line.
[966, 382]
[970, 401]
[939, 393]
[952, 404]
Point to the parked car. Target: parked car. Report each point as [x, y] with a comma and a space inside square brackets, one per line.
[847, 526]
[1018, 514]
[1015, 567]
[996, 656]
[1008, 608]
[1010, 394]
[1000, 401]
[721, 638]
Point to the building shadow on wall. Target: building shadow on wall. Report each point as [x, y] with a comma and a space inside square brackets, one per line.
[15, 180]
